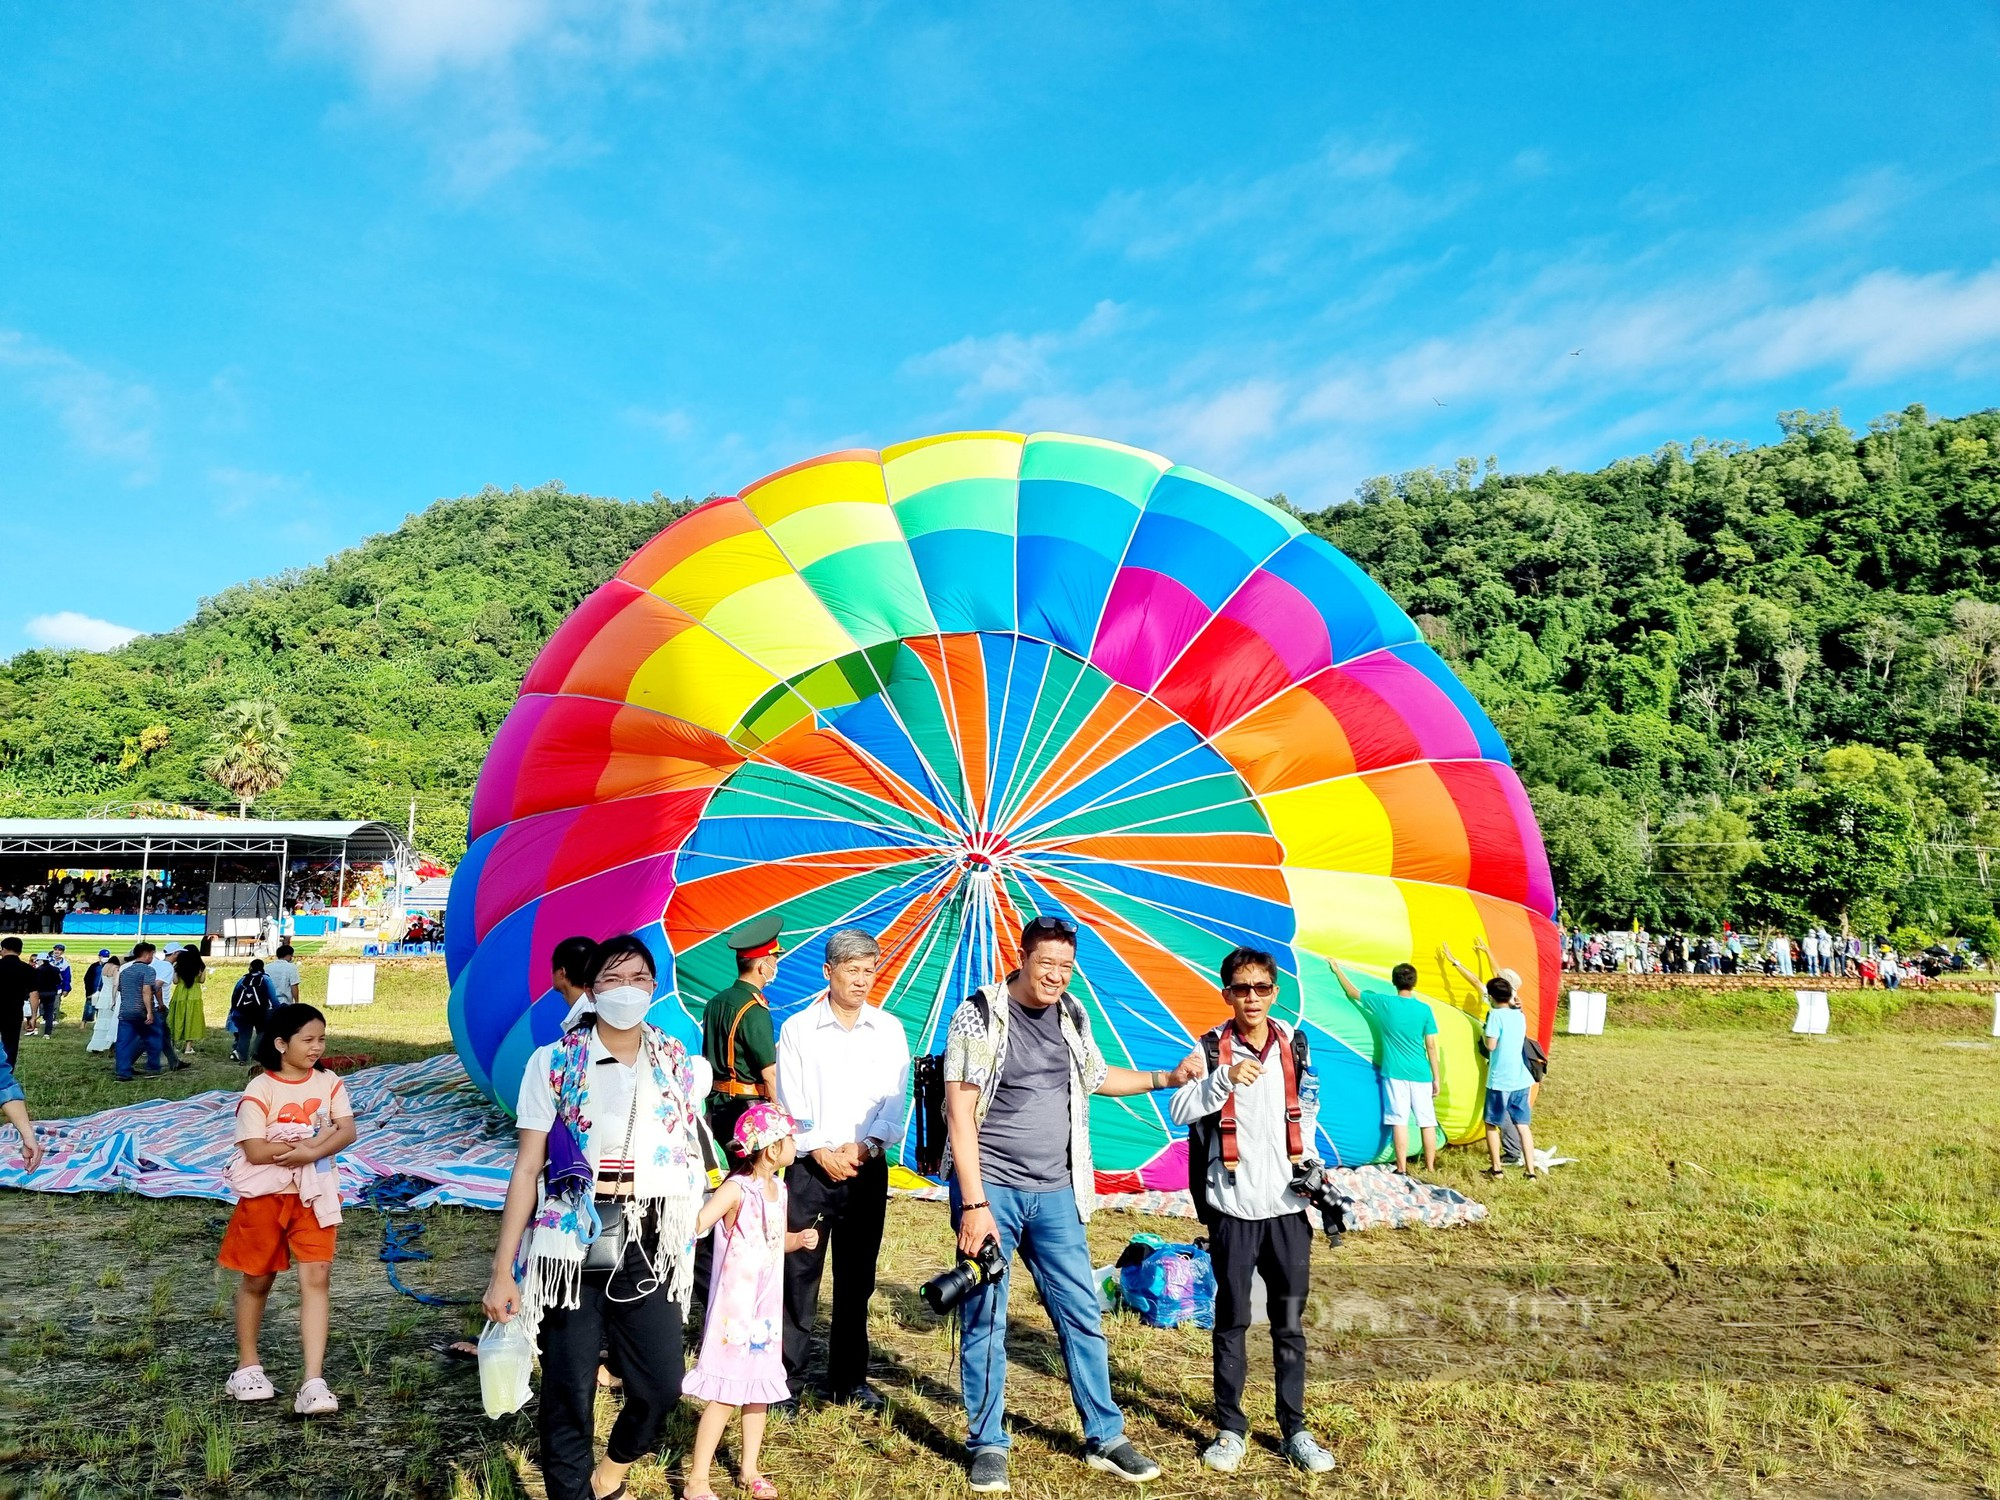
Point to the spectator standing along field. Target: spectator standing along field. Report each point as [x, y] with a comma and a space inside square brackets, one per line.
[284, 976]
[17, 987]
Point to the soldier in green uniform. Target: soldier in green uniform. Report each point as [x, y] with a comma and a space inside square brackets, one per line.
[736, 1033]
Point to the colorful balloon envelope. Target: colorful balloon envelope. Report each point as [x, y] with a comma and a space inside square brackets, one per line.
[936, 690]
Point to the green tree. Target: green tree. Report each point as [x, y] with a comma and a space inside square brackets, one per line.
[1597, 856]
[250, 751]
[1830, 854]
[1700, 859]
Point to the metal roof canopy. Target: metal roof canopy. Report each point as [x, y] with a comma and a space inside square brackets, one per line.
[75, 840]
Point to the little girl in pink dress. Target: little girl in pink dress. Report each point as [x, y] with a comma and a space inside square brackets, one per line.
[742, 1363]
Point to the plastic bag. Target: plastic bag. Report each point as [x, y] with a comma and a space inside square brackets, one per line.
[1170, 1287]
[505, 1360]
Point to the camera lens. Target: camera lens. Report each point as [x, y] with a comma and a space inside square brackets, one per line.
[947, 1289]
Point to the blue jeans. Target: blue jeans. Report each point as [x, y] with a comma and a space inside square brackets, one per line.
[133, 1034]
[1045, 1228]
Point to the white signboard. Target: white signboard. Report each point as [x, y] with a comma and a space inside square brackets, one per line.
[1996, 1012]
[1812, 1018]
[1586, 1012]
[350, 984]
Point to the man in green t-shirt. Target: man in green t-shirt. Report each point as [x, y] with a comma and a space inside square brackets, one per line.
[1412, 1073]
[736, 1034]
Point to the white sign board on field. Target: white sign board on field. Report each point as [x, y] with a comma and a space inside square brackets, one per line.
[1813, 1015]
[1996, 1012]
[350, 984]
[1586, 1012]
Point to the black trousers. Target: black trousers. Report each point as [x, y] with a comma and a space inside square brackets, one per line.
[644, 1339]
[11, 1017]
[1279, 1250]
[850, 1215]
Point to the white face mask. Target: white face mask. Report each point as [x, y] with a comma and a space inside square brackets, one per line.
[623, 1008]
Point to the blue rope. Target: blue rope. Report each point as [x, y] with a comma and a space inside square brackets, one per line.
[390, 1196]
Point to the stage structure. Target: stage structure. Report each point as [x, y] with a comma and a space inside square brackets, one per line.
[193, 850]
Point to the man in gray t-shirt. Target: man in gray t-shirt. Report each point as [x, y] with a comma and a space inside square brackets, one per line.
[1019, 1069]
[142, 1015]
[1024, 1140]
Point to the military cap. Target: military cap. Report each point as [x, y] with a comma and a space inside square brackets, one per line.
[756, 937]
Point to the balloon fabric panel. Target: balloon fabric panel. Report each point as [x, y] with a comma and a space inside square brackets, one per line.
[935, 690]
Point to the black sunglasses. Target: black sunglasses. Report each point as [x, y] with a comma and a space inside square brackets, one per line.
[1051, 924]
[1245, 991]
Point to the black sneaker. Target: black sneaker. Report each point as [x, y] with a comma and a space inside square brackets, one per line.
[988, 1474]
[1122, 1459]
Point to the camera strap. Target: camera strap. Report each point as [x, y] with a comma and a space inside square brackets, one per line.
[1288, 1064]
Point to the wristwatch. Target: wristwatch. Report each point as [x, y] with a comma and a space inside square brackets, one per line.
[870, 1150]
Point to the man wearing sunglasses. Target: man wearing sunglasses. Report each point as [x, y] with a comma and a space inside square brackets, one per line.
[1020, 1067]
[1250, 1125]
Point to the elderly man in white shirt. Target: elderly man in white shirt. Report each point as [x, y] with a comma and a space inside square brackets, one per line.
[844, 1075]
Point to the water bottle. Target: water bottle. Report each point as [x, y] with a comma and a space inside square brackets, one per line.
[1309, 1096]
[505, 1360]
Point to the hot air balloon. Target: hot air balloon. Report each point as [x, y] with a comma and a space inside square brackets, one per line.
[936, 689]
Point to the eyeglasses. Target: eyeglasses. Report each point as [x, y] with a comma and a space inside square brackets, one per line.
[1245, 991]
[1061, 925]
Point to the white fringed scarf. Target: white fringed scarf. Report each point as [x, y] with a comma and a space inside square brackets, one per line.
[668, 1177]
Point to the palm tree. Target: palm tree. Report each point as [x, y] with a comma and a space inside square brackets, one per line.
[251, 751]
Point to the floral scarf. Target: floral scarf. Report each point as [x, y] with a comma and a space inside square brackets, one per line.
[668, 1176]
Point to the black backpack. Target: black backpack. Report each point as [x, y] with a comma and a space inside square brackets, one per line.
[252, 995]
[1201, 1136]
[1536, 1060]
[927, 1088]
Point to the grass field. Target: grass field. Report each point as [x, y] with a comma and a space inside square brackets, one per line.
[1771, 1271]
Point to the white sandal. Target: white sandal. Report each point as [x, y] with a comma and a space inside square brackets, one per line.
[251, 1384]
[315, 1399]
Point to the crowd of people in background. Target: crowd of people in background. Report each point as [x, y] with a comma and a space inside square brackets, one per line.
[39, 906]
[1815, 953]
[146, 1002]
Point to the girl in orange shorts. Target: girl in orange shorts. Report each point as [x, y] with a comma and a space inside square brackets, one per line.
[293, 1117]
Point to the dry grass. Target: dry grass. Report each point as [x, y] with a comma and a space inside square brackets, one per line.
[1772, 1271]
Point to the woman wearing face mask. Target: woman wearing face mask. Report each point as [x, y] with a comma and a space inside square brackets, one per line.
[596, 1244]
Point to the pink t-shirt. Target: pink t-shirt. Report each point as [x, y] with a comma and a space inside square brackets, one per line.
[270, 1100]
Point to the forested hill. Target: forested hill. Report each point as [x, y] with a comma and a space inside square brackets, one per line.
[1747, 682]
[1738, 681]
[394, 661]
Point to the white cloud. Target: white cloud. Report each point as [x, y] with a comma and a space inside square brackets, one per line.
[103, 415]
[408, 43]
[493, 86]
[1869, 199]
[1690, 353]
[1002, 363]
[243, 492]
[409, 46]
[1344, 191]
[675, 424]
[66, 630]
[1885, 324]
[474, 163]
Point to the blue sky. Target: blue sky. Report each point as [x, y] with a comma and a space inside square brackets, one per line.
[272, 276]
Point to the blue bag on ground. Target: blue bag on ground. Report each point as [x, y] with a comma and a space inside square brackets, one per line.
[1172, 1286]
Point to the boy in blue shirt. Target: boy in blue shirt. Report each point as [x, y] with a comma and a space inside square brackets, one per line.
[1507, 1077]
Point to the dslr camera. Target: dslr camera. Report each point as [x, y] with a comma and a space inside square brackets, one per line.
[947, 1289]
[1310, 1182]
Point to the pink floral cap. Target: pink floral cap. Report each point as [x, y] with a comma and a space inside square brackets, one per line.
[763, 1124]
